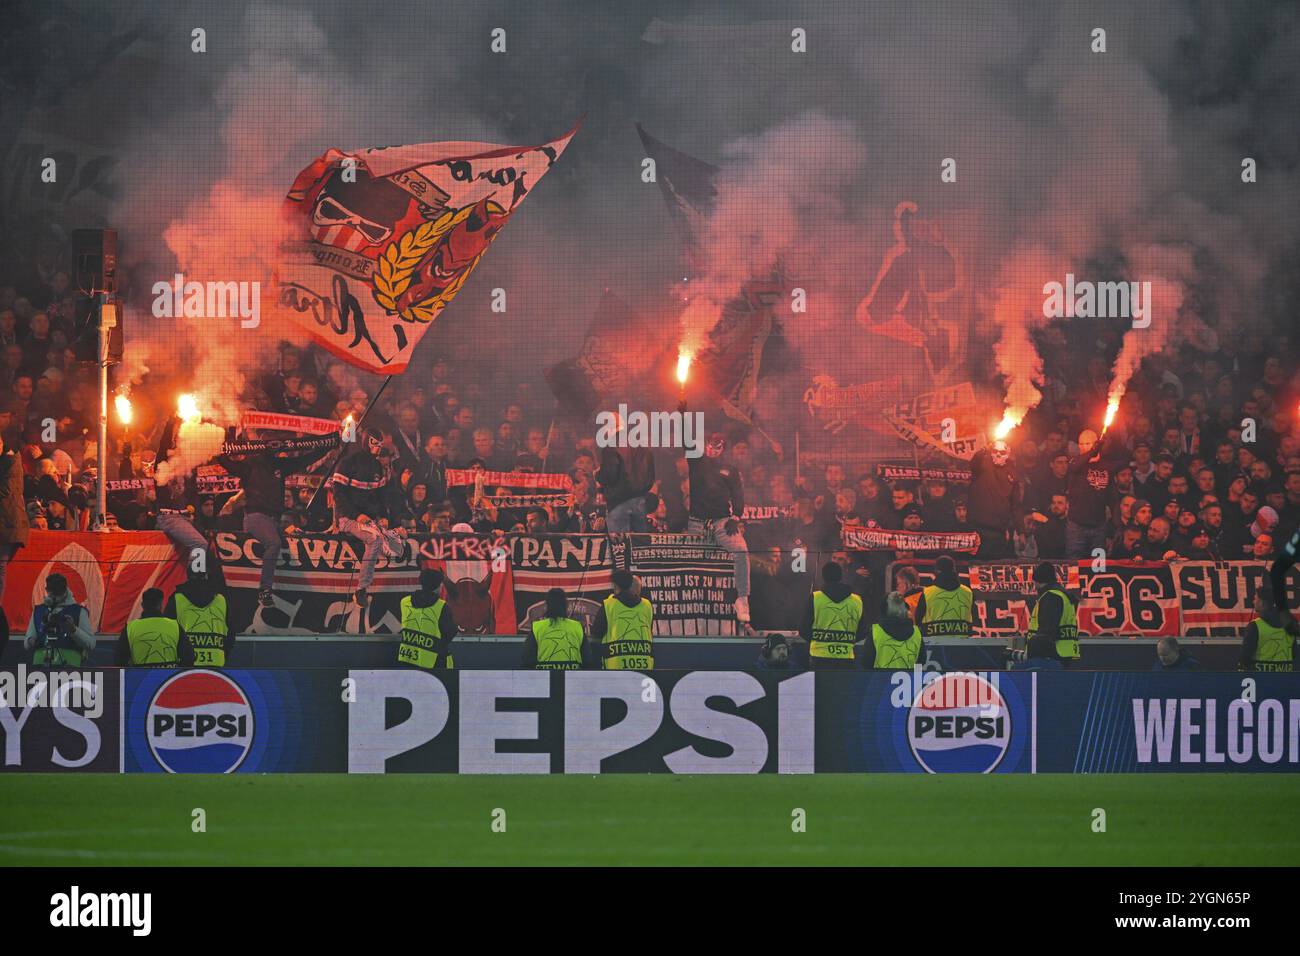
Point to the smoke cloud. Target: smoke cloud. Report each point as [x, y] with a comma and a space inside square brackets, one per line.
[1122, 165]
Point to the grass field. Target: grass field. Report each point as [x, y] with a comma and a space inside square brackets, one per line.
[305, 820]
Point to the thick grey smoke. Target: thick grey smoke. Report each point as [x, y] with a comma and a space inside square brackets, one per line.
[1123, 164]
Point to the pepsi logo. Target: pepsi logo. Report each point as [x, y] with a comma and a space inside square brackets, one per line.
[199, 722]
[959, 723]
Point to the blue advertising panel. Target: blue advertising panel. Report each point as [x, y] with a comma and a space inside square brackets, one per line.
[925, 722]
[1153, 722]
[209, 721]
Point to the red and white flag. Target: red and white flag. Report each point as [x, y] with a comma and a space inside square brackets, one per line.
[383, 239]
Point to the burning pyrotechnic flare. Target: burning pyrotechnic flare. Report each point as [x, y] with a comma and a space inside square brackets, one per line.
[1010, 420]
[123, 409]
[683, 366]
[1112, 406]
[187, 407]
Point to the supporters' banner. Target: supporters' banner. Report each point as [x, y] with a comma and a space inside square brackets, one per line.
[318, 575]
[129, 484]
[383, 239]
[479, 580]
[859, 538]
[293, 446]
[731, 360]
[756, 514]
[217, 484]
[834, 407]
[690, 581]
[686, 184]
[920, 421]
[1008, 578]
[1216, 598]
[916, 297]
[526, 501]
[604, 364]
[304, 424]
[581, 564]
[1128, 599]
[460, 477]
[496, 584]
[902, 471]
[106, 572]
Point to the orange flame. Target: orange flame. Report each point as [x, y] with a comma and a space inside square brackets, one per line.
[683, 366]
[1010, 420]
[123, 409]
[187, 407]
[1112, 406]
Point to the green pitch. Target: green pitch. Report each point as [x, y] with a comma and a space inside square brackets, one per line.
[878, 820]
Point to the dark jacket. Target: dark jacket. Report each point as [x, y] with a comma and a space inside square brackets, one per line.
[625, 474]
[1091, 480]
[262, 477]
[1185, 662]
[993, 491]
[359, 484]
[13, 509]
[717, 490]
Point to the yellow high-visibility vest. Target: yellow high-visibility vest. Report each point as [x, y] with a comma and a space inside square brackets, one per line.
[629, 640]
[421, 634]
[947, 613]
[834, 626]
[205, 628]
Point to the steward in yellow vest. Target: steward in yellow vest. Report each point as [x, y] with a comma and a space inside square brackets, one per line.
[556, 642]
[153, 640]
[1053, 624]
[428, 627]
[896, 643]
[833, 622]
[206, 638]
[624, 627]
[1270, 639]
[945, 608]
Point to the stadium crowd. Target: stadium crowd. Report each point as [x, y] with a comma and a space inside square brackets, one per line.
[1178, 477]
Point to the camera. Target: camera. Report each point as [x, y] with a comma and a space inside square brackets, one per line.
[57, 627]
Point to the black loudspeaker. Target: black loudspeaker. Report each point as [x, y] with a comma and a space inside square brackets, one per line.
[95, 254]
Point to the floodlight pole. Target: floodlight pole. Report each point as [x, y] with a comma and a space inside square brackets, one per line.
[107, 322]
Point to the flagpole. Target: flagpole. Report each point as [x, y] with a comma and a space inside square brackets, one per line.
[360, 421]
[550, 436]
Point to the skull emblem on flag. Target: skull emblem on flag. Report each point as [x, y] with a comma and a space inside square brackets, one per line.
[381, 240]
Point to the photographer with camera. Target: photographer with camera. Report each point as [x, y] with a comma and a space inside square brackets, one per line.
[59, 632]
